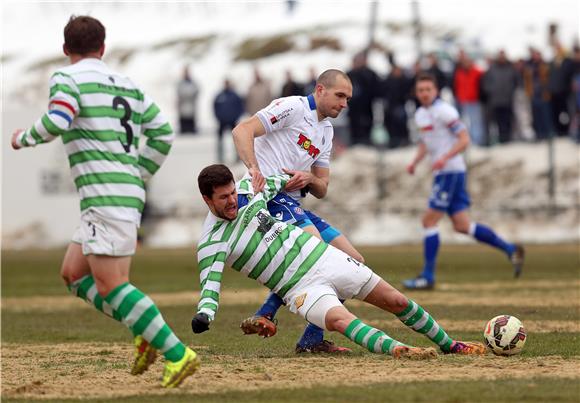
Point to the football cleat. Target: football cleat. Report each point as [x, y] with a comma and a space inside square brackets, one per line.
[418, 283]
[467, 348]
[145, 355]
[324, 346]
[260, 325]
[517, 259]
[414, 353]
[175, 372]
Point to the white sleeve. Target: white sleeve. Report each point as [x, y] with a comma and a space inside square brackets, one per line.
[281, 113]
[450, 117]
[323, 160]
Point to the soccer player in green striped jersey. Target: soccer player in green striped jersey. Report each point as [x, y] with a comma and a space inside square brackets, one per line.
[307, 273]
[103, 119]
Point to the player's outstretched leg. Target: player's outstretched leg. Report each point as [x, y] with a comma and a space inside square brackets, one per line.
[418, 319]
[377, 341]
[386, 297]
[338, 318]
[426, 280]
[141, 315]
[515, 252]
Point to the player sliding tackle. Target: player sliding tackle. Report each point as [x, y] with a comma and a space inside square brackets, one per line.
[308, 274]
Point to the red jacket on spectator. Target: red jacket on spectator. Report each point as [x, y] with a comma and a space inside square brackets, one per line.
[466, 84]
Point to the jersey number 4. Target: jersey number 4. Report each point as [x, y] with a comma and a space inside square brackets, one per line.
[125, 121]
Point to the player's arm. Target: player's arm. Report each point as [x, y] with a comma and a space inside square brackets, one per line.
[159, 136]
[244, 134]
[458, 147]
[450, 117]
[316, 181]
[211, 257]
[421, 153]
[274, 185]
[63, 108]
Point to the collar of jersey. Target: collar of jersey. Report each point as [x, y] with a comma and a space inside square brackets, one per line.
[312, 106]
[92, 60]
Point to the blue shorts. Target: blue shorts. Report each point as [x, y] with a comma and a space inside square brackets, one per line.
[287, 209]
[449, 193]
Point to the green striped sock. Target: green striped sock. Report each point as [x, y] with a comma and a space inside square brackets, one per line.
[420, 321]
[85, 289]
[140, 314]
[373, 339]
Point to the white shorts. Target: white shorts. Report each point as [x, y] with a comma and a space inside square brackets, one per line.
[100, 235]
[338, 277]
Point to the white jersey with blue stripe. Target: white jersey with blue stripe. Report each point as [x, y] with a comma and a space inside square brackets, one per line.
[439, 125]
[294, 138]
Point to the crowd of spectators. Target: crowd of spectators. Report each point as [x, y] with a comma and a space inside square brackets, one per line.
[500, 100]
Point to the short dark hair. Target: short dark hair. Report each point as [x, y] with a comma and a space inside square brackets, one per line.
[213, 176]
[426, 76]
[83, 35]
[328, 77]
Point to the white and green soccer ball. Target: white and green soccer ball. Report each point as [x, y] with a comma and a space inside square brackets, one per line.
[505, 335]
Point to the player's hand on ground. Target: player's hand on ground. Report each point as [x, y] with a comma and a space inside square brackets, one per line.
[439, 164]
[200, 323]
[258, 180]
[14, 143]
[299, 179]
[411, 169]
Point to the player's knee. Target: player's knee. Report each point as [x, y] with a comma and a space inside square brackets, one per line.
[428, 222]
[399, 302]
[461, 228]
[335, 324]
[68, 273]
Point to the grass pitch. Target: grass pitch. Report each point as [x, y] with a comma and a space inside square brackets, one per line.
[55, 348]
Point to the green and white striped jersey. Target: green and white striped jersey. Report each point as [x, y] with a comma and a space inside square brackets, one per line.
[275, 254]
[101, 117]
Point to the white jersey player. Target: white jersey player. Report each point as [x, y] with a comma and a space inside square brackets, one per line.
[293, 135]
[444, 137]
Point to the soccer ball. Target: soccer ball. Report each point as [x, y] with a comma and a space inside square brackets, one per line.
[505, 335]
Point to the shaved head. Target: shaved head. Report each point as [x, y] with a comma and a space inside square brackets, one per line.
[328, 78]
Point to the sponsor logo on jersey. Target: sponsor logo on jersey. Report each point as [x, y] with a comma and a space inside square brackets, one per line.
[279, 216]
[299, 301]
[307, 145]
[298, 210]
[265, 222]
[274, 235]
[281, 115]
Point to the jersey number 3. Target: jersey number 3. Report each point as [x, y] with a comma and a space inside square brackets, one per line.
[125, 121]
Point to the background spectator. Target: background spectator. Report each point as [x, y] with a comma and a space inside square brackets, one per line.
[521, 106]
[560, 86]
[434, 69]
[499, 84]
[536, 74]
[396, 90]
[311, 84]
[466, 88]
[187, 94]
[228, 107]
[259, 94]
[290, 86]
[365, 83]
